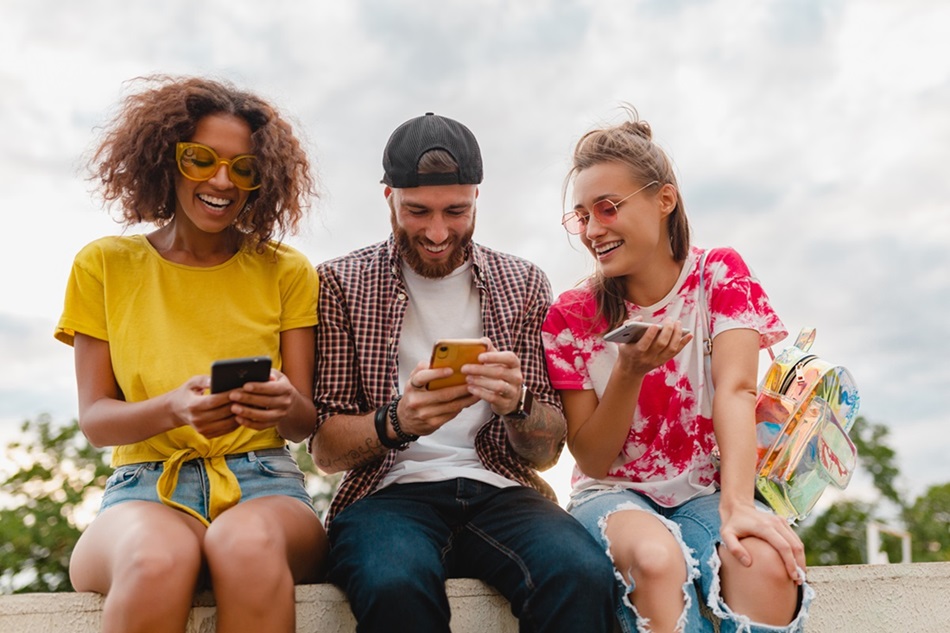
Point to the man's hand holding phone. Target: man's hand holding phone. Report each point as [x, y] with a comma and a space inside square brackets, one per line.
[438, 390]
[454, 354]
[489, 374]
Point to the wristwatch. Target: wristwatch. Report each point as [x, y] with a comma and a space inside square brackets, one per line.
[523, 410]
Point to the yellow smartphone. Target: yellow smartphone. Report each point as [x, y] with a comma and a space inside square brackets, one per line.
[454, 353]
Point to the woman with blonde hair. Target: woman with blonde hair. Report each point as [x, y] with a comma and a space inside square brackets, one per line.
[642, 421]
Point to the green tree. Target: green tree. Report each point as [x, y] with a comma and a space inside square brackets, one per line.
[877, 457]
[928, 521]
[838, 536]
[57, 472]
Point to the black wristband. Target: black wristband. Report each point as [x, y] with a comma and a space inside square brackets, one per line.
[380, 421]
[404, 437]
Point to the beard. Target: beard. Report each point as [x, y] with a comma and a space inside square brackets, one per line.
[409, 248]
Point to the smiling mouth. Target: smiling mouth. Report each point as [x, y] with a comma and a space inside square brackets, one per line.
[603, 249]
[434, 249]
[214, 202]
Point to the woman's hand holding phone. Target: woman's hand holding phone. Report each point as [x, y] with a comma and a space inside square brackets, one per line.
[633, 331]
[646, 346]
[208, 414]
[261, 405]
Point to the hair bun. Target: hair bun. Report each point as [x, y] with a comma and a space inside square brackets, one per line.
[638, 128]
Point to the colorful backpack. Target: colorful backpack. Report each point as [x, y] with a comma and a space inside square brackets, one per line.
[803, 412]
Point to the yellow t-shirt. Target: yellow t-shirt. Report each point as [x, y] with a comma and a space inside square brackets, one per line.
[166, 322]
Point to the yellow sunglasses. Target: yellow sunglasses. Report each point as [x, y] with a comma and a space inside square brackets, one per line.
[200, 163]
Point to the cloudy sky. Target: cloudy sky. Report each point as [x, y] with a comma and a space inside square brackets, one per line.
[811, 135]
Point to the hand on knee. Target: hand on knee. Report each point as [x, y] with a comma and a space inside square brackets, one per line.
[762, 591]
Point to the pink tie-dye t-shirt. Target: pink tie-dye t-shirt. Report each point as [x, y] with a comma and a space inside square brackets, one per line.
[667, 454]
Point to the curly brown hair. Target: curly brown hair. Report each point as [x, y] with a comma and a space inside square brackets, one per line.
[135, 162]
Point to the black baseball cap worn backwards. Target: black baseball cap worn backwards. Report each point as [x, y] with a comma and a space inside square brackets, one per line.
[417, 136]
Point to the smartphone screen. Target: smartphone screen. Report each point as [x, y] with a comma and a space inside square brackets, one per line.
[234, 372]
[454, 353]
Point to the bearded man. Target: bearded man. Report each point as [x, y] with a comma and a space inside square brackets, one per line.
[443, 483]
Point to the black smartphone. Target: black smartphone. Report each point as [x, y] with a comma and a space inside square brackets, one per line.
[234, 372]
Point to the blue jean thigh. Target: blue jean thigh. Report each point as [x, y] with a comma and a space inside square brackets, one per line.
[392, 551]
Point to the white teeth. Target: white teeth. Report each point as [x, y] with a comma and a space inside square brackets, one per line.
[609, 246]
[436, 249]
[212, 201]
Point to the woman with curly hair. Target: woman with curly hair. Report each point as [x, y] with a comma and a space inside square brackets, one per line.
[204, 485]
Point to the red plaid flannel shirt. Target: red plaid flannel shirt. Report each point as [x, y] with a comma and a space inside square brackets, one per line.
[363, 303]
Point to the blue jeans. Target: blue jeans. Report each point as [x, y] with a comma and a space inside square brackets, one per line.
[695, 524]
[391, 552]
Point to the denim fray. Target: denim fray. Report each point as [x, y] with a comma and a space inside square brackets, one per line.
[692, 568]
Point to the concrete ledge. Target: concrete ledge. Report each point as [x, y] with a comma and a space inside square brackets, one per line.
[323, 608]
[911, 598]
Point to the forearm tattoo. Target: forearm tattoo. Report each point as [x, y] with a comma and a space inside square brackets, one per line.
[539, 437]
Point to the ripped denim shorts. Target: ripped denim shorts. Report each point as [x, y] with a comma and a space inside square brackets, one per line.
[695, 524]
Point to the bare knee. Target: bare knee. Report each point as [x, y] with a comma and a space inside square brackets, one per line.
[247, 549]
[763, 591]
[134, 559]
[650, 560]
[150, 565]
[767, 569]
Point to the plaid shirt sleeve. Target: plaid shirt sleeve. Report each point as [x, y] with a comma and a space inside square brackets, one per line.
[336, 379]
[354, 361]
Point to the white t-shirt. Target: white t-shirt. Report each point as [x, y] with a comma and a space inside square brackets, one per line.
[448, 307]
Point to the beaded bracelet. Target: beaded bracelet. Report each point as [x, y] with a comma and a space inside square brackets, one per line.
[380, 421]
[404, 437]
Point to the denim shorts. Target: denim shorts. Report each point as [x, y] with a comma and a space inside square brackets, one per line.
[695, 525]
[262, 473]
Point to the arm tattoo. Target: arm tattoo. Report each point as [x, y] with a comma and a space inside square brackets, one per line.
[367, 452]
[540, 437]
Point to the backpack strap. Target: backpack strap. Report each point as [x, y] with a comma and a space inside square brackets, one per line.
[705, 323]
[704, 308]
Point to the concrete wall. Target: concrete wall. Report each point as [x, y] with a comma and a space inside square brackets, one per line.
[910, 598]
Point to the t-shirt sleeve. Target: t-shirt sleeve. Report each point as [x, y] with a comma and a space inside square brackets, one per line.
[299, 292]
[737, 299]
[563, 351]
[84, 306]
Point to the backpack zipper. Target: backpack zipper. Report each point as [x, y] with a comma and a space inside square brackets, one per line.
[795, 373]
